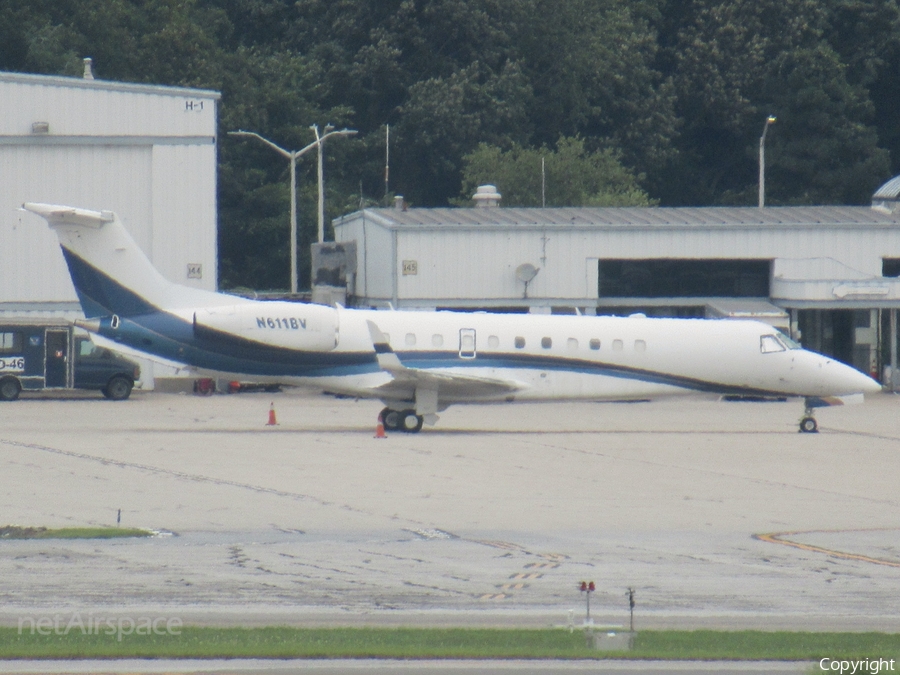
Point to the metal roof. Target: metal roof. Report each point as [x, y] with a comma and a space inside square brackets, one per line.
[629, 218]
[890, 190]
[107, 85]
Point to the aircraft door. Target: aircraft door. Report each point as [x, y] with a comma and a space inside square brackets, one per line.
[467, 343]
[56, 361]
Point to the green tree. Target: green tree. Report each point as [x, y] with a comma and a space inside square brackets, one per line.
[448, 74]
[265, 94]
[866, 34]
[591, 64]
[736, 62]
[447, 117]
[672, 92]
[571, 176]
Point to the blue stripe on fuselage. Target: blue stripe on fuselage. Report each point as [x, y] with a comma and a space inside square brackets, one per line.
[173, 338]
[434, 359]
[99, 294]
[150, 329]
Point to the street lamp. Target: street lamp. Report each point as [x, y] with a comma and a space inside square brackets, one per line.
[320, 141]
[762, 161]
[293, 156]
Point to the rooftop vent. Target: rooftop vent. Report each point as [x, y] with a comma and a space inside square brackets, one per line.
[399, 203]
[486, 196]
[88, 72]
[40, 127]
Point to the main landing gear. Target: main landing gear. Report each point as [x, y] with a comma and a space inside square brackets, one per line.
[402, 420]
[808, 424]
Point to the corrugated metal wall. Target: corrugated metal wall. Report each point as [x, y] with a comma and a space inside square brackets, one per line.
[94, 177]
[374, 251]
[470, 264]
[72, 106]
[147, 153]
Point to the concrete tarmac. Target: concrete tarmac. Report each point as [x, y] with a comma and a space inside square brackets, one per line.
[492, 518]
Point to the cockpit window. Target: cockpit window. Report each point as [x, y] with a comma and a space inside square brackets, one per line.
[788, 342]
[769, 344]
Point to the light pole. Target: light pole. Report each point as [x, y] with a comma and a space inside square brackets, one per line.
[293, 157]
[762, 161]
[320, 141]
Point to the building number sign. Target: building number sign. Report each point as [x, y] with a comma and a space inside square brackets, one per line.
[410, 267]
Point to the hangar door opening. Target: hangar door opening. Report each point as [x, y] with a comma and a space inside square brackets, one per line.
[848, 335]
[670, 278]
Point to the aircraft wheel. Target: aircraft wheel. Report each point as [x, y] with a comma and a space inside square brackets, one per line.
[808, 425]
[391, 419]
[411, 423]
[9, 389]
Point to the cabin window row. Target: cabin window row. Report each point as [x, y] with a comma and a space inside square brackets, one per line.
[594, 344]
[437, 340]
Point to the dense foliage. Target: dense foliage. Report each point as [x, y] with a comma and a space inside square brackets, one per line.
[665, 98]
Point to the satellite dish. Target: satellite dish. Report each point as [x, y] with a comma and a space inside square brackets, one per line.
[526, 272]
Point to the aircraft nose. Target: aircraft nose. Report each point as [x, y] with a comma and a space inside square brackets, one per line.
[854, 381]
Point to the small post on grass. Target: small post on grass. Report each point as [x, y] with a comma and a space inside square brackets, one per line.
[630, 594]
[119, 517]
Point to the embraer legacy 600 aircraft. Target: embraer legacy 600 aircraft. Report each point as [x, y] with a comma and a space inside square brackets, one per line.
[419, 363]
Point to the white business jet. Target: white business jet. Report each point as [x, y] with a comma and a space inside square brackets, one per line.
[419, 363]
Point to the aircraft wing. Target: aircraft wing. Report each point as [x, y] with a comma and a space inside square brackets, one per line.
[450, 385]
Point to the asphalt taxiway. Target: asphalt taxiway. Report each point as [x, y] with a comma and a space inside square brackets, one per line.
[492, 518]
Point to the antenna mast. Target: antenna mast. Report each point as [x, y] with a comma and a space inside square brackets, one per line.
[543, 186]
[387, 157]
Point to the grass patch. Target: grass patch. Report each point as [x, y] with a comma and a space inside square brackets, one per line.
[761, 645]
[16, 532]
[413, 643]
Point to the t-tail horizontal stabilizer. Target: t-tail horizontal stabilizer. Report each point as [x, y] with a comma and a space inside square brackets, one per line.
[110, 272]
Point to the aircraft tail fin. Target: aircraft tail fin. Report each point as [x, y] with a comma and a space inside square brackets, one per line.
[110, 272]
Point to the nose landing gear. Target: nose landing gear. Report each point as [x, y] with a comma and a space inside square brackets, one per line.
[808, 424]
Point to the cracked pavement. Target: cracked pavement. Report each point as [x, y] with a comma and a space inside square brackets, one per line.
[490, 518]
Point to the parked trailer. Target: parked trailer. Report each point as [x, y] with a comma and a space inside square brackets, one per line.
[36, 356]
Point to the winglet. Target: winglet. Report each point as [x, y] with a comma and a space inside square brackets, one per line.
[387, 359]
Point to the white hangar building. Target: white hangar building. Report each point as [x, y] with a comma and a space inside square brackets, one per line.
[829, 275]
[146, 152]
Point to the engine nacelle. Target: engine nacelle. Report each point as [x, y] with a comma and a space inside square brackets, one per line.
[292, 325]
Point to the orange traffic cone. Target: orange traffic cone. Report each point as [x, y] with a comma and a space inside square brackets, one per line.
[272, 421]
[379, 428]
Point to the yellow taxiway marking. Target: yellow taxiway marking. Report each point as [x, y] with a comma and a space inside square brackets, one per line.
[493, 596]
[779, 538]
[505, 545]
[556, 557]
[513, 587]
